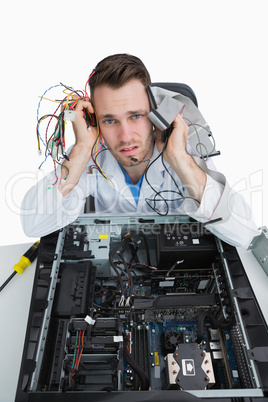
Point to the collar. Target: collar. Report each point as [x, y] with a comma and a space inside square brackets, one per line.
[111, 168]
[155, 175]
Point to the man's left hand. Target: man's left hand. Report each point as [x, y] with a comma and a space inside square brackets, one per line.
[176, 146]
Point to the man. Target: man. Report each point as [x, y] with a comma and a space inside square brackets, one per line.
[178, 184]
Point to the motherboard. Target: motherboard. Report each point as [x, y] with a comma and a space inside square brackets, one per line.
[131, 308]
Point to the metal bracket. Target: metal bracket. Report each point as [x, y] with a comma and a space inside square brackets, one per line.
[259, 247]
[243, 293]
[259, 354]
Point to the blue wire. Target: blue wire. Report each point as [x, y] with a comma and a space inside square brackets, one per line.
[37, 116]
[38, 109]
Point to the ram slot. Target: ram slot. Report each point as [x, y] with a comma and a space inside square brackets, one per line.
[141, 352]
[136, 353]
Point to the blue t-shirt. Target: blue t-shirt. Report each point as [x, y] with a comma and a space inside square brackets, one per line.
[135, 188]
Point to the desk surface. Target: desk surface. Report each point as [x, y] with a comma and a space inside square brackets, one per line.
[15, 301]
[14, 308]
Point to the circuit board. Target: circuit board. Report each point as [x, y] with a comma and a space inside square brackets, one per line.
[120, 320]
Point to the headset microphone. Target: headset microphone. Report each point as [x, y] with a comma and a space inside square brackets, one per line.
[137, 160]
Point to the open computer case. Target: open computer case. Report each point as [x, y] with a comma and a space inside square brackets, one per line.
[142, 308]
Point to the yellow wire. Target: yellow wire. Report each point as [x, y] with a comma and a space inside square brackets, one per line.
[66, 106]
[51, 100]
[98, 138]
[69, 99]
[65, 91]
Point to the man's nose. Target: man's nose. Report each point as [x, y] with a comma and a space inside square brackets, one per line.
[125, 132]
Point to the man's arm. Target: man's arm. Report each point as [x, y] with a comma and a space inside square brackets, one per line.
[81, 153]
[216, 199]
[47, 207]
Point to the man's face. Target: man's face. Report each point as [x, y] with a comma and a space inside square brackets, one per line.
[123, 120]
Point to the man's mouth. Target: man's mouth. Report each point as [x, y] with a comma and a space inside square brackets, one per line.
[128, 150]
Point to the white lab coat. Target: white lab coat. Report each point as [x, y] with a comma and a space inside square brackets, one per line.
[44, 210]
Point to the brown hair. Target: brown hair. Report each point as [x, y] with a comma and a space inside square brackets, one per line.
[117, 70]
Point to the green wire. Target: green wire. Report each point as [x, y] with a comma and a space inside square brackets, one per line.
[73, 358]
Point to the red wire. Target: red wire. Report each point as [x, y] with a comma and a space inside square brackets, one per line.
[56, 176]
[93, 72]
[77, 353]
[100, 146]
[81, 350]
[53, 115]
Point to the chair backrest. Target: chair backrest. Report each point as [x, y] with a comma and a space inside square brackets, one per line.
[177, 87]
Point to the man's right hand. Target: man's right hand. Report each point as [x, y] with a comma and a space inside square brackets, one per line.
[81, 152]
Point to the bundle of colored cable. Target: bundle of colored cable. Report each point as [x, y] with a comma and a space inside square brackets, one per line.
[78, 350]
[55, 142]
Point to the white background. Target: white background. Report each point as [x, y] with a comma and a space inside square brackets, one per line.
[219, 48]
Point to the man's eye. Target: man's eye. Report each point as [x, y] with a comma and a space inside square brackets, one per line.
[136, 116]
[108, 122]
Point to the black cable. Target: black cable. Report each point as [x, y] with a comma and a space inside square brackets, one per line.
[150, 164]
[59, 127]
[134, 251]
[166, 200]
[145, 384]
[111, 256]
[128, 272]
[111, 297]
[71, 89]
[140, 233]
[227, 324]
[159, 193]
[143, 267]
[97, 154]
[174, 181]
[205, 157]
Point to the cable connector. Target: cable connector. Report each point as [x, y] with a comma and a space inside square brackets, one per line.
[69, 115]
[89, 320]
[53, 149]
[163, 115]
[174, 266]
